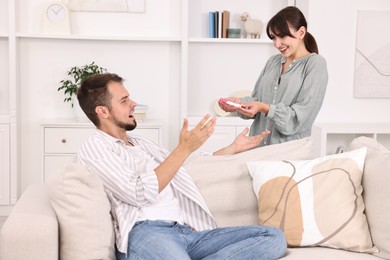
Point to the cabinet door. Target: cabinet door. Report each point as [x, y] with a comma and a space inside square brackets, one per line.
[4, 165]
[65, 140]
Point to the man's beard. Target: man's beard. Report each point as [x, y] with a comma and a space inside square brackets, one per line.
[126, 126]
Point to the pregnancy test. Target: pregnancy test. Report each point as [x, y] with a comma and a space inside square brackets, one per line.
[229, 102]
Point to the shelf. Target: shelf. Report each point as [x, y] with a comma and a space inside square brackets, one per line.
[97, 37]
[199, 10]
[328, 137]
[358, 128]
[230, 40]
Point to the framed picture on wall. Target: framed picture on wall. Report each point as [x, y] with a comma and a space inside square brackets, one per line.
[372, 55]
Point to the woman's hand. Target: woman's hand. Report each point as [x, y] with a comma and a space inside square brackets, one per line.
[243, 143]
[228, 108]
[251, 109]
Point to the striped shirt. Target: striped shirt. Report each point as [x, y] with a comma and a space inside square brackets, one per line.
[295, 97]
[130, 188]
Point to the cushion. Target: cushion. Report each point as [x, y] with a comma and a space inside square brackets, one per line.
[316, 202]
[376, 194]
[225, 183]
[83, 212]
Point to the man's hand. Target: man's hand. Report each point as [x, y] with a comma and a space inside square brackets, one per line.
[189, 141]
[193, 139]
[243, 143]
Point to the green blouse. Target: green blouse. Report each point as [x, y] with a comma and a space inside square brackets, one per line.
[295, 97]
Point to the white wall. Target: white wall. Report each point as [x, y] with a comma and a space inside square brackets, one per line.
[333, 24]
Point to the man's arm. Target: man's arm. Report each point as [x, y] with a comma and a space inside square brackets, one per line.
[189, 141]
[242, 143]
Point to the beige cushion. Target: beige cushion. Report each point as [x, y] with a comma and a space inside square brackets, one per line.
[225, 183]
[83, 211]
[376, 194]
[31, 230]
[316, 202]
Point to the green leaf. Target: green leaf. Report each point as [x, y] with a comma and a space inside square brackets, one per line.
[77, 75]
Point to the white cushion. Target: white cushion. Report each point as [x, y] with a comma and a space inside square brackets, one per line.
[83, 212]
[316, 202]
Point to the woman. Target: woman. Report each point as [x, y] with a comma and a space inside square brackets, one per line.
[290, 90]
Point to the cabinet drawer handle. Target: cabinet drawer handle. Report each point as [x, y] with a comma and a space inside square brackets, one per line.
[63, 140]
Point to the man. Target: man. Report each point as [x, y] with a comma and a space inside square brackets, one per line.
[158, 211]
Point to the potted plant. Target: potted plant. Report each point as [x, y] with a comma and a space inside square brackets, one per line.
[78, 74]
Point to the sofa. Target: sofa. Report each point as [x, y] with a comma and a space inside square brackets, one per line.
[68, 217]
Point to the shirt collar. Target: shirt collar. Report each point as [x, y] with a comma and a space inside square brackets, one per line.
[283, 59]
[109, 138]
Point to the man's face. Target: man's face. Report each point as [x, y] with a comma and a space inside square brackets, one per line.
[122, 107]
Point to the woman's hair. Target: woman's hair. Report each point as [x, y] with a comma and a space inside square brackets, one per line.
[293, 17]
[94, 92]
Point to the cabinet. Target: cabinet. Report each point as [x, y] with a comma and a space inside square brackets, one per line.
[327, 137]
[62, 139]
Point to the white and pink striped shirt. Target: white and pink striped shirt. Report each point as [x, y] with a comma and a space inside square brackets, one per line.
[130, 187]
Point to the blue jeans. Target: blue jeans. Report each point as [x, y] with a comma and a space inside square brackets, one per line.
[164, 240]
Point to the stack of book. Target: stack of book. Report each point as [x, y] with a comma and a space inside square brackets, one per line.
[140, 112]
[218, 24]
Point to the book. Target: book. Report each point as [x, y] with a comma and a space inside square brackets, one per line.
[219, 25]
[216, 21]
[140, 109]
[225, 23]
[211, 25]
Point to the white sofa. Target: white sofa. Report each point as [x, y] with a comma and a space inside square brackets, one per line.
[68, 217]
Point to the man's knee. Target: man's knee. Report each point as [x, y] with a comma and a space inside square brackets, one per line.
[279, 242]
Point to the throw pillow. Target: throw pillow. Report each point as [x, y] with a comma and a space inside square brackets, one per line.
[225, 183]
[316, 202]
[83, 211]
[376, 193]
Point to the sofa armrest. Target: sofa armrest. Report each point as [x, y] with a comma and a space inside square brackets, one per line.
[31, 230]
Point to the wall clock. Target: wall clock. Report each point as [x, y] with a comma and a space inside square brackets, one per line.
[56, 18]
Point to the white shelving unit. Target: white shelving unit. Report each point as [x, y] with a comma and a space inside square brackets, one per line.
[8, 125]
[328, 137]
[164, 56]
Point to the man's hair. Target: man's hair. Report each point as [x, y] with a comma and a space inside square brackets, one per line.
[94, 92]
